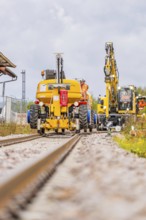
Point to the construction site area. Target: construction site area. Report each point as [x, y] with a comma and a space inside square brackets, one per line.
[72, 110]
[82, 157]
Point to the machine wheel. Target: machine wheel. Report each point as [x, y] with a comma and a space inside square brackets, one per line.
[56, 130]
[90, 129]
[83, 117]
[85, 129]
[34, 115]
[42, 131]
[97, 127]
[92, 121]
[63, 130]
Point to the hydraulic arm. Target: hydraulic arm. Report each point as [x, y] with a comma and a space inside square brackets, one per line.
[119, 102]
[111, 80]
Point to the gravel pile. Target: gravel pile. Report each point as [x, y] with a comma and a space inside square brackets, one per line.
[98, 181]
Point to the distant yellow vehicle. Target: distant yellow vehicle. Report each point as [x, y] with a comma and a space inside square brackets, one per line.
[119, 102]
[101, 106]
[62, 104]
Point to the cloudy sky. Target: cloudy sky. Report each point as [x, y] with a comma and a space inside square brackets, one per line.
[33, 30]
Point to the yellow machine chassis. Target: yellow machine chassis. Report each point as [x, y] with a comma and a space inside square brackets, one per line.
[53, 124]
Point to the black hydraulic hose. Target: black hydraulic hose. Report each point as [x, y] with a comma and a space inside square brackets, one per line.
[58, 66]
[61, 70]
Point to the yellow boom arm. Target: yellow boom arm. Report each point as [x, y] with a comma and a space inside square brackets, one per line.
[111, 79]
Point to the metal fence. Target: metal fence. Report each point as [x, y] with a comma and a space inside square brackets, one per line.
[13, 110]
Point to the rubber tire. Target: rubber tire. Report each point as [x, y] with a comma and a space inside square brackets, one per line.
[83, 117]
[92, 120]
[98, 129]
[85, 129]
[41, 131]
[90, 129]
[56, 131]
[34, 115]
[63, 130]
[91, 125]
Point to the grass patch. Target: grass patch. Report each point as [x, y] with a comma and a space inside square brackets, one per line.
[132, 144]
[12, 128]
[134, 141]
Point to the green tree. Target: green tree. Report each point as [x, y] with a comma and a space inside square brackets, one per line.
[94, 103]
[141, 91]
[29, 104]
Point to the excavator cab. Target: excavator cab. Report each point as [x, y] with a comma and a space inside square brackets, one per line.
[101, 106]
[126, 100]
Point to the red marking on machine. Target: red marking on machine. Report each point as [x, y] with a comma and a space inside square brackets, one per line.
[63, 97]
[83, 103]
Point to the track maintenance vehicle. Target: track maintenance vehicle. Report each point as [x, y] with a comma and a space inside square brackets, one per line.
[119, 102]
[61, 104]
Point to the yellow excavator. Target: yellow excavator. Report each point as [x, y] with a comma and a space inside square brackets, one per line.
[119, 102]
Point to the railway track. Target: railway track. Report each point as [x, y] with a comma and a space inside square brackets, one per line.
[18, 190]
[11, 141]
[17, 140]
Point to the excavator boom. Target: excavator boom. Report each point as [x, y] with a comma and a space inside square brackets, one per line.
[111, 79]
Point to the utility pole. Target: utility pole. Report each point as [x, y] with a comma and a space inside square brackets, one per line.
[23, 84]
[23, 90]
[3, 92]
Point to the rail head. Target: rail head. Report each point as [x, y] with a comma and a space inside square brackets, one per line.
[34, 174]
[10, 141]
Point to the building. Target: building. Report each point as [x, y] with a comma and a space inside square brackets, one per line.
[4, 70]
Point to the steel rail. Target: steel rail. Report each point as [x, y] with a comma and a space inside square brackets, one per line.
[18, 189]
[11, 141]
[17, 140]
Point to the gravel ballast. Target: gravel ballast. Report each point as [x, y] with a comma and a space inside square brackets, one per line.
[97, 181]
[14, 156]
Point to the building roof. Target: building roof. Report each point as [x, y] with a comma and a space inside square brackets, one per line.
[4, 61]
[4, 64]
[10, 73]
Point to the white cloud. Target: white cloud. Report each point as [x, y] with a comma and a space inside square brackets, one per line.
[33, 30]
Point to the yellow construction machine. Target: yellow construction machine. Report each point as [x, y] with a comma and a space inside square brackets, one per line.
[119, 102]
[61, 104]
